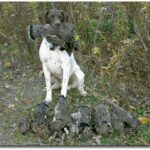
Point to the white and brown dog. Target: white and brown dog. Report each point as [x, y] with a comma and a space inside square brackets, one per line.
[60, 69]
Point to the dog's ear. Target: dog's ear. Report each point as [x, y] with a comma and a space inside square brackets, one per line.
[43, 17]
[48, 16]
[65, 16]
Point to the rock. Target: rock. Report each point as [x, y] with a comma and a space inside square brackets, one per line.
[24, 125]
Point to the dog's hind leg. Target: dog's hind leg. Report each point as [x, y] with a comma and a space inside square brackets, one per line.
[56, 84]
[73, 82]
[80, 82]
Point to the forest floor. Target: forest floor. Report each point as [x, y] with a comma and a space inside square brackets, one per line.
[23, 87]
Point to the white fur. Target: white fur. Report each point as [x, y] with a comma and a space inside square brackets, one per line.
[59, 67]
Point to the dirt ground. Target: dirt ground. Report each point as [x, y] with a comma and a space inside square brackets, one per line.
[24, 87]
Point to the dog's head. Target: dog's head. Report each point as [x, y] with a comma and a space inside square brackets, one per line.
[53, 17]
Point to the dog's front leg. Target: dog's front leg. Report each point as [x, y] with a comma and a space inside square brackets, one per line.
[66, 72]
[47, 76]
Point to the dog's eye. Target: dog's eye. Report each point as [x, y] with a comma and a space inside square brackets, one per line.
[52, 16]
[60, 17]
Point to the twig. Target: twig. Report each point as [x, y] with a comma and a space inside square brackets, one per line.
[53, 5]
[139, 35]
[148, 36]
[96, 32]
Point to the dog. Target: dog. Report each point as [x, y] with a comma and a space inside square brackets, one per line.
[60, 69]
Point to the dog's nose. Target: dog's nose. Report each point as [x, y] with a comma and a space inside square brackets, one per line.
[57, 22]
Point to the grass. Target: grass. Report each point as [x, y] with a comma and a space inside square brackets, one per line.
[30, 88]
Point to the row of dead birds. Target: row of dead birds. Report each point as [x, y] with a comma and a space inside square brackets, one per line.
[99, 119]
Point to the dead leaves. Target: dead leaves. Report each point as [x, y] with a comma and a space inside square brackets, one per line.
[26, 101]
[8, 64]
[96, 51]
[144, 120]
[11, 106]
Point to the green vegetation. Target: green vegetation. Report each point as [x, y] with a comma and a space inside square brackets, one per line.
[114, 54]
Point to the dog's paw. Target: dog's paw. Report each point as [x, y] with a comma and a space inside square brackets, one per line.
[61, 105]
[48, 100]
[84, 93]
